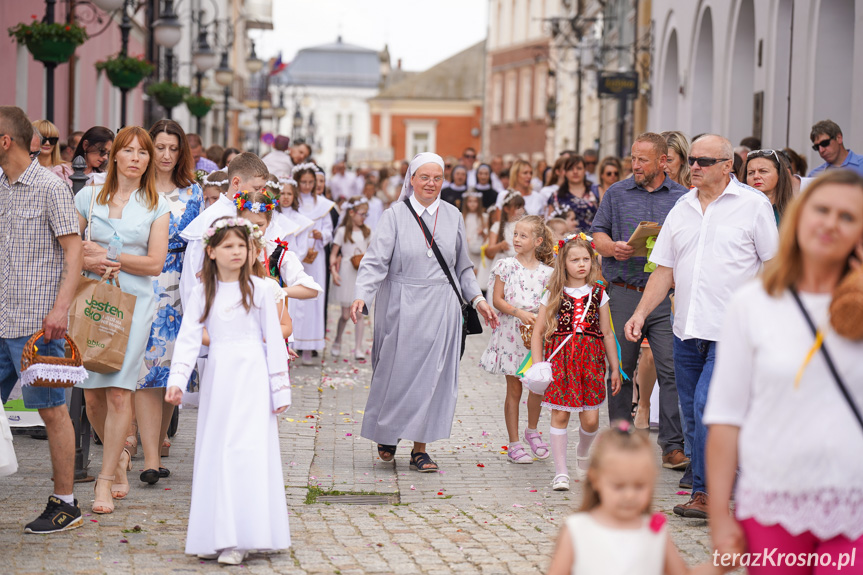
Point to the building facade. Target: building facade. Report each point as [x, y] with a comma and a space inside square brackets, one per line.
[517, 80]
[438, 110]
[766, 68]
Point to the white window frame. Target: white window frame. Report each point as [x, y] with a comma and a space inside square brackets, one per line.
[415, 127]
[497, 99]
[525, 87]
[540, 91]
[510, 94]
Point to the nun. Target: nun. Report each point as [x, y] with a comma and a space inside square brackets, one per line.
[418, 320]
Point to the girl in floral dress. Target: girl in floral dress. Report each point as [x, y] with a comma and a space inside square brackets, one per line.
[517, 283]
[574, 312]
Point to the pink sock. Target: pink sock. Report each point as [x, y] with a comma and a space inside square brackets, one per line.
[558, 449]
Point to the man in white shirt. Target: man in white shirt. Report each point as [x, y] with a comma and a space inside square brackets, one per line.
[278, 161]
[714, 239]
[341, 182]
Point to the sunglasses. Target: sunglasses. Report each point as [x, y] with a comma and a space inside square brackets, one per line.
[706, 162]
[822, 144]
[52, 140]
[612, 173]
[469, 156]
[103, 152]
[34, 155]
[763, 154]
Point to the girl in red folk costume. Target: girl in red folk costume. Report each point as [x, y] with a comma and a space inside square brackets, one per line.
[573, 330]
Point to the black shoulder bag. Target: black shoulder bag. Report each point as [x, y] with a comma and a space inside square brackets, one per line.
[470, 318]
[829, 360]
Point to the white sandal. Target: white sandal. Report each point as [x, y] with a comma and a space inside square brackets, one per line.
[560, 482]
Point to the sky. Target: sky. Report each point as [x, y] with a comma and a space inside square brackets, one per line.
[420, 33]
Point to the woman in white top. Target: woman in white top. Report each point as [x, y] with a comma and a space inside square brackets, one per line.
[775, 410]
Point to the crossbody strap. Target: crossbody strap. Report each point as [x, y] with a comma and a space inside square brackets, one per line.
[438, 255]
[829, 360]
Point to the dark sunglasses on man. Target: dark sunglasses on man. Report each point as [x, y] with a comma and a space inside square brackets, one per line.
[706, 162]
[52, 140]
[822, 144]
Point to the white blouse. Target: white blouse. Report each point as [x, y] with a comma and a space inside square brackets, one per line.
[799, 447]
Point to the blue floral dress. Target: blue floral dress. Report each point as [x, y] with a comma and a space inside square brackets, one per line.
[185, 204]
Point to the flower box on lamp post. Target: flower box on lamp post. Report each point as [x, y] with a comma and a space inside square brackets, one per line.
[168, 94]
[125, 71]
[51, 43]
[198, 106]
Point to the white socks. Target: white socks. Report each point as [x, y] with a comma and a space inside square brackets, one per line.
[585, 439]
[69, 499]
[558, 449]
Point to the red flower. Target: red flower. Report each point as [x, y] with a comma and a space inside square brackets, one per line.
[657, 520]
[34, 16]
[480, 465]
[68, 27]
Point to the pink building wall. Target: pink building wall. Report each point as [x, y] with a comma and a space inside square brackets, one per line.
[95, 101]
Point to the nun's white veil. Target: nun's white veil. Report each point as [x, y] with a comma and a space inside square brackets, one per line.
[418, 161]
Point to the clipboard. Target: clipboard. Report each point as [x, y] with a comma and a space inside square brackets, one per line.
[638, 240]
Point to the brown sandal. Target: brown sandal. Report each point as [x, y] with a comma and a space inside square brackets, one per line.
[166, 449]
[99, 506]
[121, 490]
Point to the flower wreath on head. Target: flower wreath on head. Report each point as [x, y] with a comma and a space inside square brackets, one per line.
[304, 166]
[243, 203]
[208, 182]
[352, 205]
[560, 211]
[472, 194]
[201, 176]
[273, 185]
[284, 181]
[570, 237]
[254, 231]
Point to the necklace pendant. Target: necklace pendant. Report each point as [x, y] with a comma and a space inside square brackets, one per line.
[430, 253]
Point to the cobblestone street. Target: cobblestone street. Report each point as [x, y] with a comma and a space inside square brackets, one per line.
[350, 512]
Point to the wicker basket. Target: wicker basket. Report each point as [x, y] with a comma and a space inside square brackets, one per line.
[45, 371]
[846, 309]
[526, 332]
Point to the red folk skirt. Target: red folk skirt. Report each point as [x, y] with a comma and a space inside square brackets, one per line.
[579, 373]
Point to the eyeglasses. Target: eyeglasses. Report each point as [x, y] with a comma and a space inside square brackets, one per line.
[11, 139]
[763, 154]
[706, 162]
[822, 144]
[52, 140]
[437, 179]
[612, 173]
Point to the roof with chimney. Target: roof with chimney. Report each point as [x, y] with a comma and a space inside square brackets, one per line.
[456, 78]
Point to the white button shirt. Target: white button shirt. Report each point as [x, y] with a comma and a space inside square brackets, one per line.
[714, 252]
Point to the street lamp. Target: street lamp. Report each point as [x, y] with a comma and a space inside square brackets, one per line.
[167, 30]
[253, 63]
[109, 5]
[225, 77]
[204, 59]
[297, 123]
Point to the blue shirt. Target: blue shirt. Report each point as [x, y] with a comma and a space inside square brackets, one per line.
[206, 164]
[852, 162]
[623, 207]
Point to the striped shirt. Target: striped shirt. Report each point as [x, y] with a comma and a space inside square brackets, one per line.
[34, 212]
[623, 207]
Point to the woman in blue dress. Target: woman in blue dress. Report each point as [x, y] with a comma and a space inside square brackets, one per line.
[175, 182]
[127, 205]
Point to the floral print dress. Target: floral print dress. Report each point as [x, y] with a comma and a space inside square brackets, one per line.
[522, 288]
[186, 204]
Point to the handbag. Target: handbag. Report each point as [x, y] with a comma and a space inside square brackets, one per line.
[471, 325]
[357, 258]
[829, 360]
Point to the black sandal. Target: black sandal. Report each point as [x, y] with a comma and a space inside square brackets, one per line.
[386, 452]
[420, 461]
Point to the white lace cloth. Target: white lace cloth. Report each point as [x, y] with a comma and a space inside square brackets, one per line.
[826, 513]
[51, 372]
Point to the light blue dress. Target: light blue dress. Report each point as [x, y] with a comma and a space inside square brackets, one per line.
[134, 229]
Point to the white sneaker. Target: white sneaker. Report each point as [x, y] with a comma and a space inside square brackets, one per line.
[232, 556]
[336, 349]
[560, 482]
[358, 354]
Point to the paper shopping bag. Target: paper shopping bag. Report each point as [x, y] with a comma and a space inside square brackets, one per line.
[99, 321]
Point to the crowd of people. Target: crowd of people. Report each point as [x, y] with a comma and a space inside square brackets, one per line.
[233, 259]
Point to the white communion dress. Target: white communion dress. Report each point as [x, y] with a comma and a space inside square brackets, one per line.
[238, 494]
[602, 550]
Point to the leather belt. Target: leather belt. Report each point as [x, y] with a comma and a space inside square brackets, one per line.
[627, 286]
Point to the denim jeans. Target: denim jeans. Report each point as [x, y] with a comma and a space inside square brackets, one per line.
[693, 368]
[10, 371]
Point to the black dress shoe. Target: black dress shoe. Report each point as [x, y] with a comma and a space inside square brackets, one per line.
[150, 476]
[164, 472]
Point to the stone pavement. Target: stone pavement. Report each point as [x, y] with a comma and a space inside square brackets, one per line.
[350, 512]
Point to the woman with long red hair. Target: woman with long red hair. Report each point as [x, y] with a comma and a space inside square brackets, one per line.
[126, 209]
